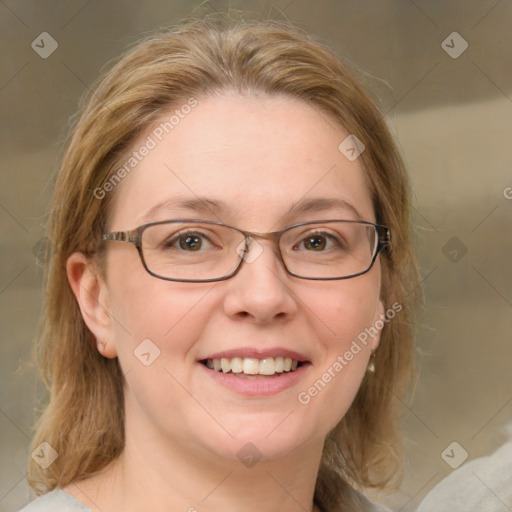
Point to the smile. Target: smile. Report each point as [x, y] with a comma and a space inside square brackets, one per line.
[253, 368]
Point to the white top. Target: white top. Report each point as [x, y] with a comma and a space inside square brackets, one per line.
[481, 485]
[61, 501]
[56, 501]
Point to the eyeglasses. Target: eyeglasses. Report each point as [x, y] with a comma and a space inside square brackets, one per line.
[200, 251]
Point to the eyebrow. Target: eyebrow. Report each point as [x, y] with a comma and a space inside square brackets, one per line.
[321, 204]
[210, 206]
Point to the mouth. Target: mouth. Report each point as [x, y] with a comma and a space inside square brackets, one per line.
[254, 368]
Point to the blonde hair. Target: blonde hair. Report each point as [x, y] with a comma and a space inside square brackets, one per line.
[84, 420]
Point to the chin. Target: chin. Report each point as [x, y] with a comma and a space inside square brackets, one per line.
[269, 440]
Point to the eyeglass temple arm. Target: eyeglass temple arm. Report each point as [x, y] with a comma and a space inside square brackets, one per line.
[132, 237]
[384, 234]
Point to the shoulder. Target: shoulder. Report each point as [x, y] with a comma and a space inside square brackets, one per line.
[56, 501]
[363, 504]
[339, 496]
[370, 506]
[483, 484]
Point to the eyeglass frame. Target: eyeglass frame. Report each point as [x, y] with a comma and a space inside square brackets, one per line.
[134, 236]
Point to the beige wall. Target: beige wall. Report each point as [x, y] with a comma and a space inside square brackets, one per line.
[460, 161]
[453, 118]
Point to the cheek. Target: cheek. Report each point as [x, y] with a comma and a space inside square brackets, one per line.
[345, 310]
[344, 315]
[150, 315]
[156, 327]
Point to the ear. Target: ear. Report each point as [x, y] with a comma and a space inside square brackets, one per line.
[378, 323]
[91, 294]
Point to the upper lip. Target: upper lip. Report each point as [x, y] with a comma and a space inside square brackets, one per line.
[257, 353]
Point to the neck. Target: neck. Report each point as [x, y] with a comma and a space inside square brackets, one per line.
[157, 476]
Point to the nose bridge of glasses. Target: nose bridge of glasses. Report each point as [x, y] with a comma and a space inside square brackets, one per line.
[251, 238]
[253, 249]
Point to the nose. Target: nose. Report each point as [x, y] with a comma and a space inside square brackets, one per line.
[262, 289]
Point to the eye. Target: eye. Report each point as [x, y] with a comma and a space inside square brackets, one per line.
[315, 243]
[318, 242]
[188, 241]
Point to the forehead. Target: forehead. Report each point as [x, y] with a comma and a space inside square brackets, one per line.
[258, 157]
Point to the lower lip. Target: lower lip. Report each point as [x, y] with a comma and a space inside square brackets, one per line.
[258, 387]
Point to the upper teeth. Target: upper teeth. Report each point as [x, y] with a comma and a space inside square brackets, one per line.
[253, 366]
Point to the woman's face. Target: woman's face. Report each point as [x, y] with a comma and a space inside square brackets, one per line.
[257, 157]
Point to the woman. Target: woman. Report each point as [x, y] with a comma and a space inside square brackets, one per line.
[248, 352]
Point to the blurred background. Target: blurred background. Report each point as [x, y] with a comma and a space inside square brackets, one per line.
[441, 71]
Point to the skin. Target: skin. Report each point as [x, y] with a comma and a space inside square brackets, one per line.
[259, 155]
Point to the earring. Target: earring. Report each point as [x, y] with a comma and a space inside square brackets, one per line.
[371, 365]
